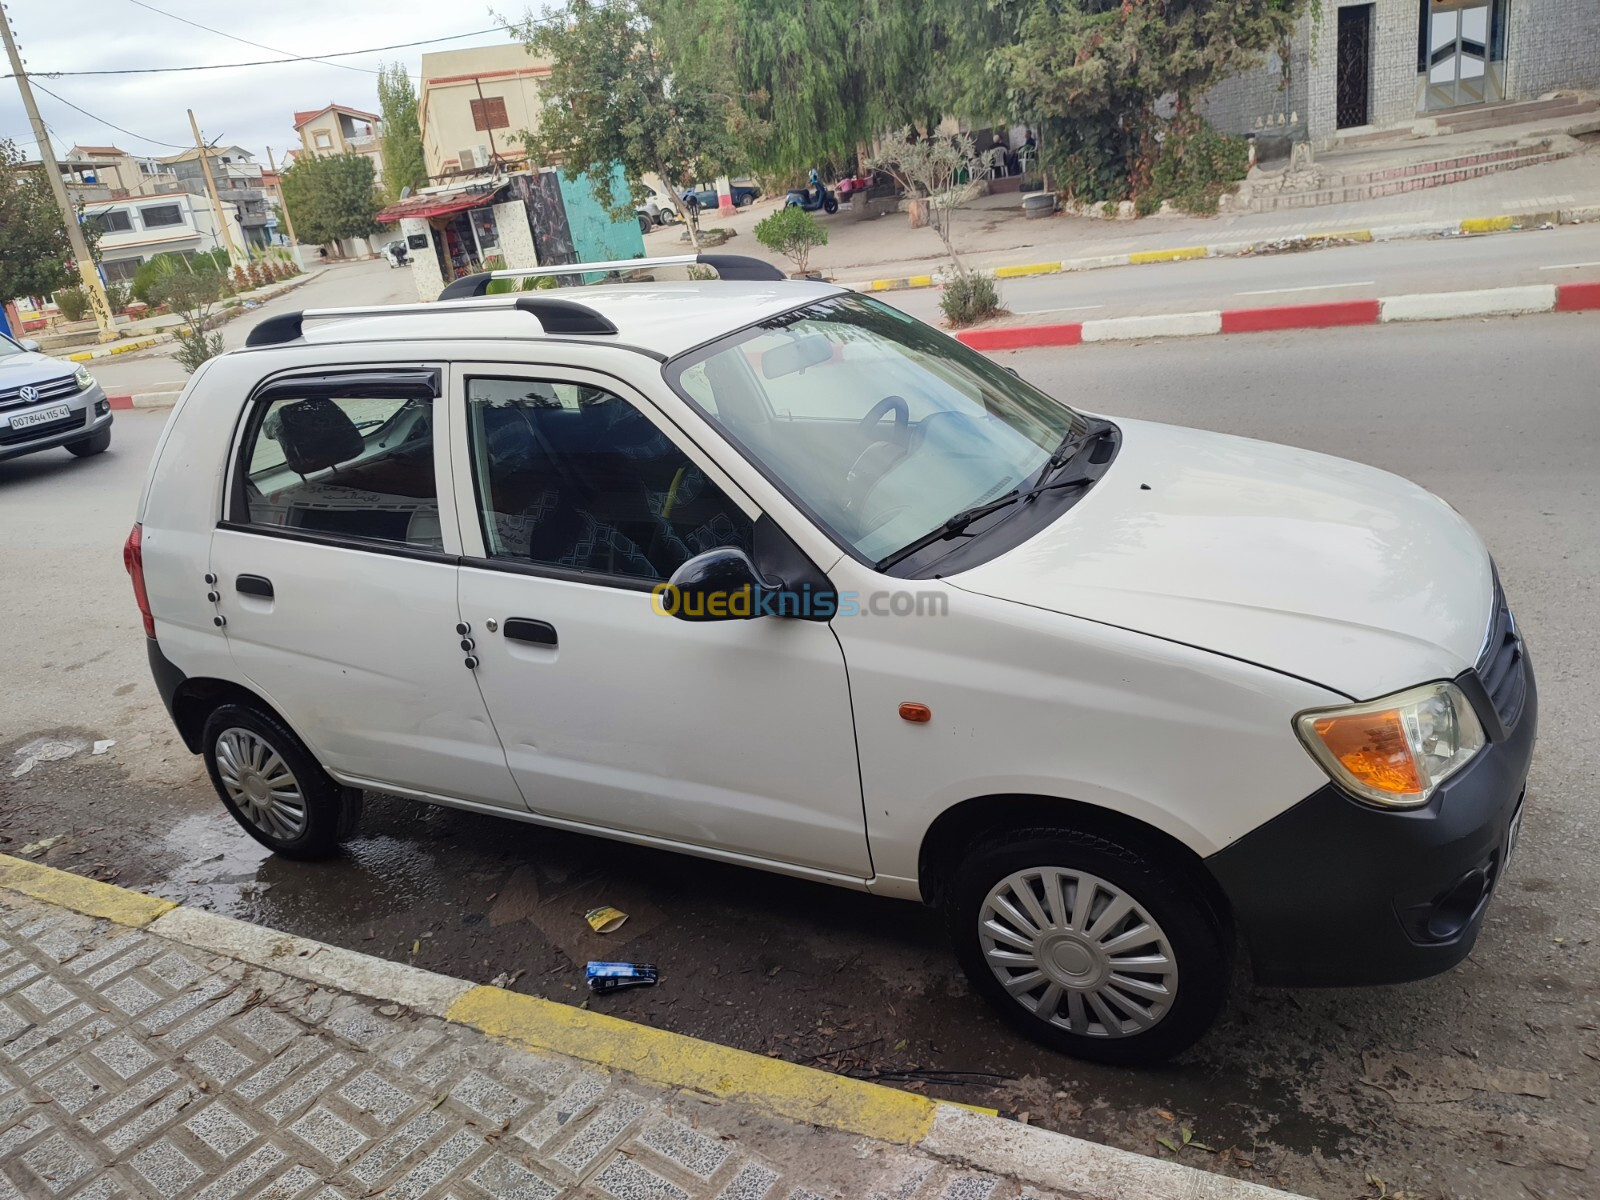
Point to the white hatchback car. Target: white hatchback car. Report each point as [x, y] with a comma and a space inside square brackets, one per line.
[772, 573]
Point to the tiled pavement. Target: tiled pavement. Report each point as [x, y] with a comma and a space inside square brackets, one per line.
[133, 1067]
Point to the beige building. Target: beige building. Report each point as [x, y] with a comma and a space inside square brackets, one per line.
[122, 173]
[340, 130]
[474, 103]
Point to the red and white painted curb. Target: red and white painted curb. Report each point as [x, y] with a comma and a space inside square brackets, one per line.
[1432, 306]
[144, 400]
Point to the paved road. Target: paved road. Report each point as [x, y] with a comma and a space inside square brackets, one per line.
[1565, 255]
[341, 284]
[1500, 417]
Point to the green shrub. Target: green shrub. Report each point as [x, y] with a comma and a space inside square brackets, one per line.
[196, 348]
[1194, 167]
[118, 295]
[793, 233]
[541, 283]
[73, 302]
[970, 297]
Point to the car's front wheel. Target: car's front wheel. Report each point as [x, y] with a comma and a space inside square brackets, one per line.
[273, 785]
[1101, 950]
[95, 443]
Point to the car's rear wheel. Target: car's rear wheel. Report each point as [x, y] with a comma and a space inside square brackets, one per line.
[95, 443]
[645, 223]
[1098, 949]
[273, 785]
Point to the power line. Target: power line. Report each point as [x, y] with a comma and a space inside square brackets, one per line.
[265, 62]
[234, 37]
[136, 136]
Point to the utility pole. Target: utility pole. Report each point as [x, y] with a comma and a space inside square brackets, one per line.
[52, 172]
[211, 189]
[294, 242]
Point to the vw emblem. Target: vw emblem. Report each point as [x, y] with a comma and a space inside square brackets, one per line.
[28, 394]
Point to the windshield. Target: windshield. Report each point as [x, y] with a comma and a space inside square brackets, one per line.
[882, 428]
[8, 348]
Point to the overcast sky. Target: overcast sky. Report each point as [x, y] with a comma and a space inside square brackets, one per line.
[251, 107]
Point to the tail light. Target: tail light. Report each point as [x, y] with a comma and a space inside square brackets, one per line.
[133, 560]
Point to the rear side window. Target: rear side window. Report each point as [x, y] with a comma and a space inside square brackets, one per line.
[351, 466]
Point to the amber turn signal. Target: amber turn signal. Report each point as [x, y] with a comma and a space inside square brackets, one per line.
[919, 714]
[1374, 749]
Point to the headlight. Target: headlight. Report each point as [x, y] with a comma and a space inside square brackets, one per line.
[83, 379]
[1395, 751]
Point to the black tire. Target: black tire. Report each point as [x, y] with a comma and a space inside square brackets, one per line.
[330, 811]
[830, 205]
[743, 200]
[645, 224]
[1187, 932]
[95, 443]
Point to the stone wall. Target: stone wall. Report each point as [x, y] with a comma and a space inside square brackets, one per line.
[516, 239]
[425, 262]
[1552, 44]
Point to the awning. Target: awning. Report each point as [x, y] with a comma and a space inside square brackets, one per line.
[435, 205]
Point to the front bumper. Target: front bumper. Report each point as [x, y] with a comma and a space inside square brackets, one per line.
[88, 412]
[1334, 892]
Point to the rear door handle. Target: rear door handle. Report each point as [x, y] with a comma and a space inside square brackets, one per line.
[524, 629]
[254, 585]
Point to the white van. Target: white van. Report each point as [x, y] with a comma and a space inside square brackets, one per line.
[769, 572]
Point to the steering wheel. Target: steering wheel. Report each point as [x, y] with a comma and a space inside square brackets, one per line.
[902, 416]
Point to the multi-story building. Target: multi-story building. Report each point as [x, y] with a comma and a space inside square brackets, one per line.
[123, 174]
[136, 229]
[1387, 63]
[238, 181]
[473, 105]
[336, 129]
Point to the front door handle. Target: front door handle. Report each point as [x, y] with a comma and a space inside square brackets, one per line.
[524, 629]
[254, 585]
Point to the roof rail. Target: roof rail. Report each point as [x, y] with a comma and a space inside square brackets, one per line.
[555, 315]
[727, 266]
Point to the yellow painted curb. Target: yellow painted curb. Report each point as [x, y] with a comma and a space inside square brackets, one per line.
[897, 285]
[81, 356]
[1027, 269]
[673, 1060]
[1353, 235]
[1154, 256]
[82, 895]
[1485, 224]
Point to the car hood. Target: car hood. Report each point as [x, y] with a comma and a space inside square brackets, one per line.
[31, 367]
[1338, 573]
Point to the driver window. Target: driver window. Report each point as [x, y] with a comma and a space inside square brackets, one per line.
[575, 477]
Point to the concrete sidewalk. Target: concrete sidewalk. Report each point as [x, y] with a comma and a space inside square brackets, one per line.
[148, 1050]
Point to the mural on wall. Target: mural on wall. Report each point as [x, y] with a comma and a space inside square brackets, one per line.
[547, 217]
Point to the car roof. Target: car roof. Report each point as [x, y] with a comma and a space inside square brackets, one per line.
[662, 318]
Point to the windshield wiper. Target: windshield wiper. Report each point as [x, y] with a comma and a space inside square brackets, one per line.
[957, 524]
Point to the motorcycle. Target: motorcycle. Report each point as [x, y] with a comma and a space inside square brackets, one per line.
[811, 198]
[396, 252]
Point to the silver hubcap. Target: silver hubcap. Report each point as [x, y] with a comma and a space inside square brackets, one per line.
[261, 784]
[1078, 952]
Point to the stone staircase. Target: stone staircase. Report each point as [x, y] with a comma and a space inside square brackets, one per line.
[1258, 194]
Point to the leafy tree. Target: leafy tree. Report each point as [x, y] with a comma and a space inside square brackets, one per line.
[1091, 73]
[939, 169]
[192, 294]
[35, 255]
[331, 196]
[792, 232]
[816, 80]
[404, 164]
[613, 97]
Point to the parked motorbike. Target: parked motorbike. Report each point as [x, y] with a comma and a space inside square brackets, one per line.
[813, 197]
[397, 255]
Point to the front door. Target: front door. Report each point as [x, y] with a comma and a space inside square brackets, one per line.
[1463, 49]
[334, 573]
[1355, 66]
[734, 737]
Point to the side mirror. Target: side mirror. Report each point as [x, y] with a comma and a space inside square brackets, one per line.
[29, 344]
[719, 585]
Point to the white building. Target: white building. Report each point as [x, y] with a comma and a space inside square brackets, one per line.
[135, 230]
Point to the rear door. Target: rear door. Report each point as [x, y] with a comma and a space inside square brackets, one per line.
[335, 571]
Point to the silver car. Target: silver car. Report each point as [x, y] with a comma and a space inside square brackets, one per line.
[45, 402]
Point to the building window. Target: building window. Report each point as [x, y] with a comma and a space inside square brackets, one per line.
[122, 270]
[160, 215]
[115, 221]
[323, 140]
[489, 113]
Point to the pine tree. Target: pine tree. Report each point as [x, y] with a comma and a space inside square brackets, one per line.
[404, 164]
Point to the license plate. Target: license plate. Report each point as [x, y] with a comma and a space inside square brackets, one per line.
[43, 417]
